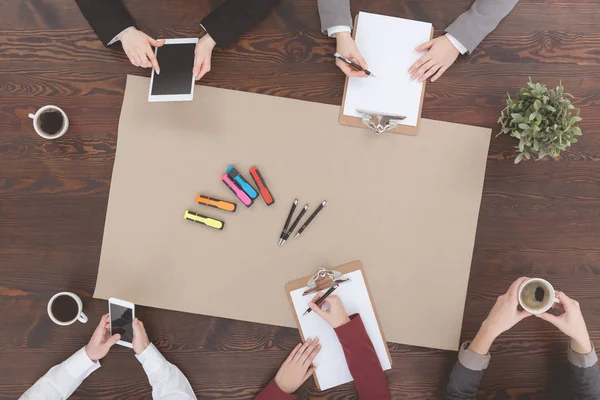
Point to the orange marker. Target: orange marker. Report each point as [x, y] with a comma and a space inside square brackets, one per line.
[216, 203]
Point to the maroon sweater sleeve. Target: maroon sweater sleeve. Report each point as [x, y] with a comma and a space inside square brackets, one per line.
[272, 392]
[362, 360]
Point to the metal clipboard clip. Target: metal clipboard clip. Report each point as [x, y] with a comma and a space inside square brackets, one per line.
[380, 122]
[323, 280]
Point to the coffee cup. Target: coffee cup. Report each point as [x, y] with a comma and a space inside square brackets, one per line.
[536, 295]
[50, 122]
[64, 308]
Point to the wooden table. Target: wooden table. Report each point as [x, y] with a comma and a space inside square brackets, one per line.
[537, 218]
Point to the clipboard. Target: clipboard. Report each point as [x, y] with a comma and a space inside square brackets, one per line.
[378, 118]
[343, 269]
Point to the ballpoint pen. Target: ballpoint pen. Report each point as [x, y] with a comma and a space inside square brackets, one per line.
[353, 64]
[287, 221]
[296, 221]
[322, 298]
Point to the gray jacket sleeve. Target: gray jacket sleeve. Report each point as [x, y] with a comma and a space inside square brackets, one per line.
[466, 375]
[585, 375]
[472, 26]
[334, 13]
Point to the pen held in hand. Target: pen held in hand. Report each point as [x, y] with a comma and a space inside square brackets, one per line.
[353, 64]
[322, 298]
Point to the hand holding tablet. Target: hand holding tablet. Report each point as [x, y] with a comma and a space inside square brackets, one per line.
[176, 79]
[203, 54]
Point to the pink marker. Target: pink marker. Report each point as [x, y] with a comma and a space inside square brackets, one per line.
[237, 191]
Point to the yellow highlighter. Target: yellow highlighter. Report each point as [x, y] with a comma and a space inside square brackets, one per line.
[201, 219]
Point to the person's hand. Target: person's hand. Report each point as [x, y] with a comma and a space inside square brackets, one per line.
[346, 46]
[503, 316]
[297, 368]
[203, 54]
[140, 337]
[101, 341]
[570, 322]
[437, 60]
[137, 46]
[335, 315]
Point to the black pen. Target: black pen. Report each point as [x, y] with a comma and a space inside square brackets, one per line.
[296, 221]
[309, 220]
[287, 221]
[353, 64]
[327, 293]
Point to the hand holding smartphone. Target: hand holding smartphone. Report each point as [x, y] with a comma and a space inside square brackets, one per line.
[122, 314]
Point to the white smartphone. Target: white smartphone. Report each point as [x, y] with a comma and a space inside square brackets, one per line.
[176, 80]
[122, 314]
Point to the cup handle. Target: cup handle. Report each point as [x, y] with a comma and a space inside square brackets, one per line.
[556, 300]
[32, 116]
[82, 318]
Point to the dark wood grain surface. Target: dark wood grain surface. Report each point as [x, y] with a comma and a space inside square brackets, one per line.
[536, 218]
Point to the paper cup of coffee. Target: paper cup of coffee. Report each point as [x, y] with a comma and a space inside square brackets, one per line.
[64, 308]
[50, 122]
[536, 295]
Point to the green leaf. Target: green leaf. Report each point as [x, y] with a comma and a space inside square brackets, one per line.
[524, 126]
[533, 115]
[519, 158]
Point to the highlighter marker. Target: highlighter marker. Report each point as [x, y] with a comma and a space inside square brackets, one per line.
[237, 191]
[201, 219]
[262, 186]
[241, 182]
[216, 203]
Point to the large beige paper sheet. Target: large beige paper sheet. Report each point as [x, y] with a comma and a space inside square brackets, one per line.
[405, 206]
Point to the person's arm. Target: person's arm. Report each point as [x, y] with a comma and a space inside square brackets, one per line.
[108, 18]
[167, 381]
[112, 23]
[361, 357]
[585, 375]
[335, 16]
[467, 373]
[63, 379]
[234, 17]
[471, 27]
[294, 371]
[474, 358]
[362, 360]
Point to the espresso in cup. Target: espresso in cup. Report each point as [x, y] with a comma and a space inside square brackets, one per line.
[50, 122]
[537, 295]
[65, 308]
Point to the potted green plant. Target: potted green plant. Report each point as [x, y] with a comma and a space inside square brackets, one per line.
[543, 121]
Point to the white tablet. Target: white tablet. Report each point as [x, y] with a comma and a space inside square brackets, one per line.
[176, 79]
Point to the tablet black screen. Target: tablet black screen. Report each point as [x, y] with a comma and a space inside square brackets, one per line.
[176, 62]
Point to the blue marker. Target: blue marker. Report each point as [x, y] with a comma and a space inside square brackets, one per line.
[241, 182]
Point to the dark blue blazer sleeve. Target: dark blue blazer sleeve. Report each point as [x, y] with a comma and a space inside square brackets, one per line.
[107, 18]
[234, 17]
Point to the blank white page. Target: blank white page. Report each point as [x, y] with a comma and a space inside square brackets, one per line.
[332, 369]
[388, 46]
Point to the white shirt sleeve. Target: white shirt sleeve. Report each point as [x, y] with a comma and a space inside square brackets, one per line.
[167, 381]
[338, 28]
[459, 46]
[116, 38]
[62, 379]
